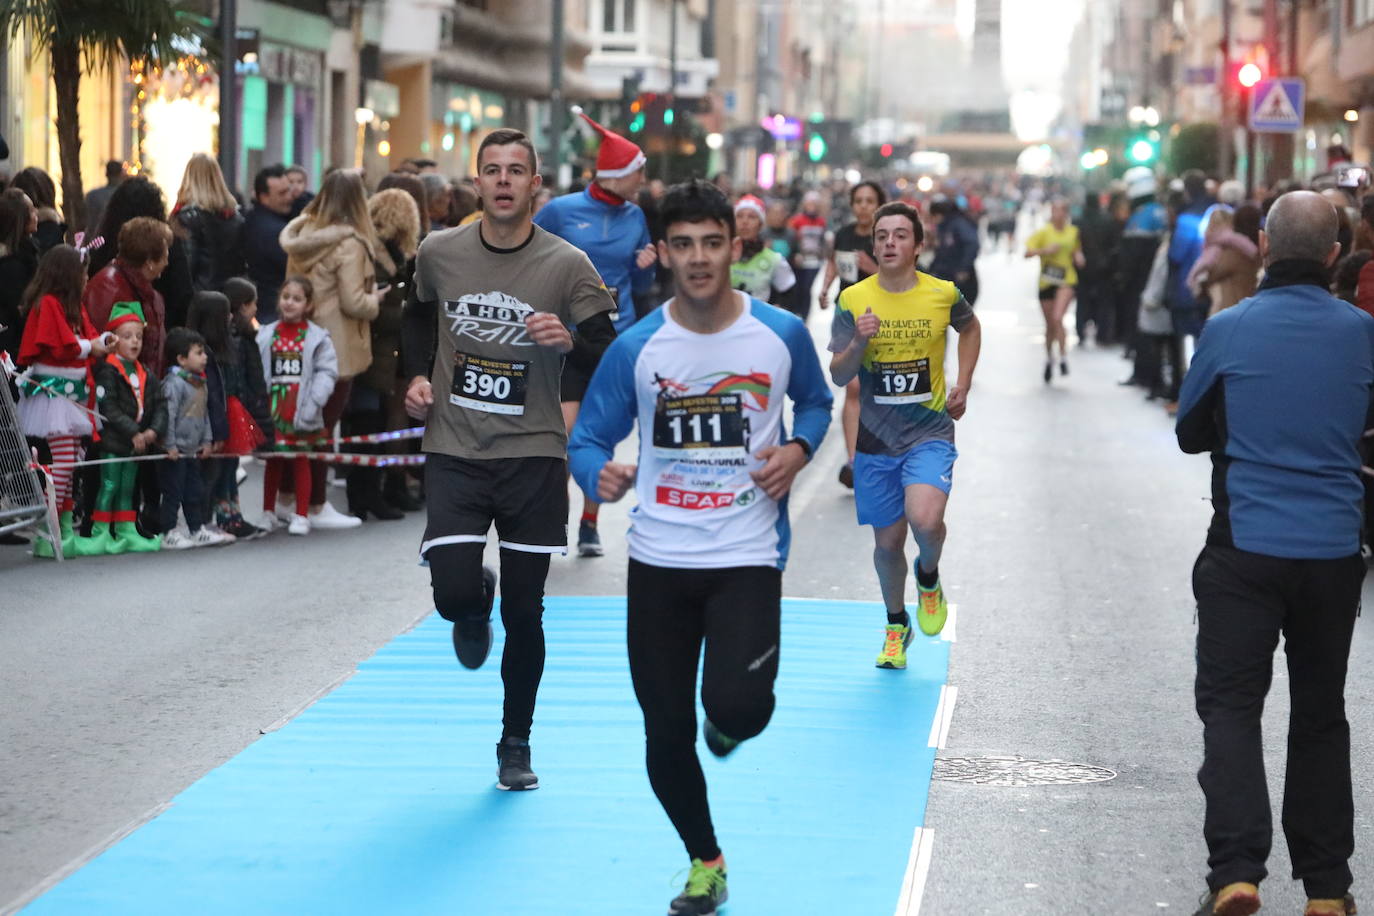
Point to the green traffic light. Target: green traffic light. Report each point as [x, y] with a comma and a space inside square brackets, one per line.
[1143, 151]
[668, 117]
[815, 148]
[637, 123]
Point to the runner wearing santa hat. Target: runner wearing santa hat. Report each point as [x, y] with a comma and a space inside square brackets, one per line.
[760, 271]
[605, 223]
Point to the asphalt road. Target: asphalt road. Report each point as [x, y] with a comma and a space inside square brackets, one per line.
[1073, 528]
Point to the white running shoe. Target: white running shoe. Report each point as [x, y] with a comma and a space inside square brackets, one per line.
[328, 518]
[269, 522]
[287, 509]
[300, 525]
[206, 537]
[214, 528]
[175, 540]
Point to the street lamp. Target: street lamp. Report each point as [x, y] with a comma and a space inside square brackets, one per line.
[1352, 115]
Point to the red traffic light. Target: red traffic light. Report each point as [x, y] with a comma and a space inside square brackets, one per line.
[1249, 75]
[885, 150]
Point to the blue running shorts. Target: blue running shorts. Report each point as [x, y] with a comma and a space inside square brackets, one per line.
[880, 481]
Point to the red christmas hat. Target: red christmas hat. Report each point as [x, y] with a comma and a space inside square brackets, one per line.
[618, 157]
[750, 202]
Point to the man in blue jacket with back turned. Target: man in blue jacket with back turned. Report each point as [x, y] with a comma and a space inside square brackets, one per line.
[606, 223]
[1280, 392]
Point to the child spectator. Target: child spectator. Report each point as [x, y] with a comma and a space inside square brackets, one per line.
[224, 373]
[301, 367]
[188, 438]
[243, 313]
[135, 418]
[57, 394]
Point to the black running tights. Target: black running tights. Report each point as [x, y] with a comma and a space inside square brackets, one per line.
[671, 612]
[455, 571]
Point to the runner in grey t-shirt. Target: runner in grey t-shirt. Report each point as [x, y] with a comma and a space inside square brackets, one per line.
[484, 341]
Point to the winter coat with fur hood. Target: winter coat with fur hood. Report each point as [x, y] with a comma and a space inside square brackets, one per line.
[338, 262]
[396, 220]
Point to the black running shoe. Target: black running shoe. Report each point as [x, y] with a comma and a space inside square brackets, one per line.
[1049, 372]
[704, 893]
[588, 540]
[717, 741]
[847, 475]
[513, 773]
[472, 637]
[1064, 367]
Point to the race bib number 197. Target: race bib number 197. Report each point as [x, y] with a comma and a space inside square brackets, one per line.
[489, 385]
[700, 427]
[902, 383]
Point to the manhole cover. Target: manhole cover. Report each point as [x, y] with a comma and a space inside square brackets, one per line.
[1017, 771]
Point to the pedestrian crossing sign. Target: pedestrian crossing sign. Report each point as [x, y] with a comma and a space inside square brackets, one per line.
[1276, 106]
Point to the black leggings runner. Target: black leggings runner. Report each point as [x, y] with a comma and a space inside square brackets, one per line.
[456, 574]
[671, 611]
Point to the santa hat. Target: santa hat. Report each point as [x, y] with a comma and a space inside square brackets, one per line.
[124, 313]
[618, 157]
[750, 202]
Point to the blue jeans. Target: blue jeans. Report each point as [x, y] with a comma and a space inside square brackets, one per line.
[182, 488]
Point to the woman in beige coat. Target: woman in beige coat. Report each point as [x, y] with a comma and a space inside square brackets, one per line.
[332, 243]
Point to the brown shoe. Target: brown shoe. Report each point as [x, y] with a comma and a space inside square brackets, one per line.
[1237, 899]
[1331, 906]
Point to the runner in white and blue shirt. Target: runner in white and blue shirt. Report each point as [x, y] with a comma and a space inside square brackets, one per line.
[705, 376]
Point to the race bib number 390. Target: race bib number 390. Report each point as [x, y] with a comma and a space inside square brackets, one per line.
[700, 427]
[902, 383]
[489, 385]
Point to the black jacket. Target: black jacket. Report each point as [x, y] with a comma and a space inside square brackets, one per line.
[119, 407]
[16, 270]
[244, 380]
[214, 245]
[265, 259]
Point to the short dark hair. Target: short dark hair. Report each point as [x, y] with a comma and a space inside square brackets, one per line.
[696, 201]
[877, 189]
[898, 208]
[506, 136]
[114, 170]
[180, 341]
[1194, 184]
[1367, 209]
[303, 282]
[143, 240]
[425, 163]
[268, 171]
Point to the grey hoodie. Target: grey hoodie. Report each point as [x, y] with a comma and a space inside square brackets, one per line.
[188, 413]
[319, 372]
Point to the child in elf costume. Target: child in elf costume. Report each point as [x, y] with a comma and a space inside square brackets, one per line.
[301, 366]
[135, 416]
[57, 393]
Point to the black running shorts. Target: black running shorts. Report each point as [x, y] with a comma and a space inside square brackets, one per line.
[526, 498]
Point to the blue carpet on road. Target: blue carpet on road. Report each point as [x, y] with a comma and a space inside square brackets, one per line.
[380, 798]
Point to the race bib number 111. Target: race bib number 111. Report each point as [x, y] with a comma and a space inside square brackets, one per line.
[700, 427]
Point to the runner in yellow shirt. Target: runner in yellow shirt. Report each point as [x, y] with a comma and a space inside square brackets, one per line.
[1060, 251]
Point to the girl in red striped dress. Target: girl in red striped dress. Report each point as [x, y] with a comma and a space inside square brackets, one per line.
[57, 393]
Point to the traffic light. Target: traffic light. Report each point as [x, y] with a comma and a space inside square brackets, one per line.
[1249, 74]
[815, 147]
[1143, 148]
[668, 117]
[885, 150]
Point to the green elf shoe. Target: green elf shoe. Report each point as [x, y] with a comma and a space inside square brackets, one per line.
[126, 533]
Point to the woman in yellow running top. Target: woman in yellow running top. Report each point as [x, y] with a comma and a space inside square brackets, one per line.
[1060, 251]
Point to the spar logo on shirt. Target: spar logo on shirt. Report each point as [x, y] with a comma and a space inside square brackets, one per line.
[493, 318]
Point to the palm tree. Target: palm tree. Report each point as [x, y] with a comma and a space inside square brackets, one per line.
[85, 34]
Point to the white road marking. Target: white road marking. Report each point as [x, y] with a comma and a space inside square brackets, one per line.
[917, 869]
[944, 717]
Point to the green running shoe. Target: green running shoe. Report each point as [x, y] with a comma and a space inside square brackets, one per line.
[717, 741]
[933, 611]
[704, 893]
[896, 637]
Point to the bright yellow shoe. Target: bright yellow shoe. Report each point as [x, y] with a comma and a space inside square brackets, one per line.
[932, 611]
[895, 640]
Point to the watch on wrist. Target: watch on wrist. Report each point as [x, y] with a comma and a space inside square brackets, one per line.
[805, 446]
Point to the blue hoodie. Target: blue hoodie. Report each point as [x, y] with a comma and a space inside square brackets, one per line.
[611, 237]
